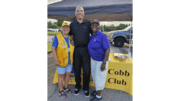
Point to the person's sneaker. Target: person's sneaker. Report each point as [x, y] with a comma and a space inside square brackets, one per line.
[96, 99]
[94, 93]
[76, 91]
[86, 93]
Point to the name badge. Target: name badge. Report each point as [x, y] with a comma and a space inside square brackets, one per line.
[68, 49]
[94, 39]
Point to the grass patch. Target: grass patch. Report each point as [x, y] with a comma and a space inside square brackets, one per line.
[53, 33]
[106, 33]
[49, 46]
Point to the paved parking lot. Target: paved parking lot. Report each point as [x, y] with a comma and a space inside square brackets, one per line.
[50, 37]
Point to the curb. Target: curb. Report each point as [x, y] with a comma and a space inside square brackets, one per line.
[49, 51]
[51, 34]
[51, 90]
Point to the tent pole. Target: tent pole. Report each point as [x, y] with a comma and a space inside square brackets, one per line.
[129, 52]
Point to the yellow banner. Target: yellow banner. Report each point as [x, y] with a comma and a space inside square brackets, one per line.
[119, 75]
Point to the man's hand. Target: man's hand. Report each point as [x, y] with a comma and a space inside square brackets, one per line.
[103, 67]
[57, 63]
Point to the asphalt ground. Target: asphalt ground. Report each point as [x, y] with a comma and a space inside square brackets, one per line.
[50, 38]
[107, 94]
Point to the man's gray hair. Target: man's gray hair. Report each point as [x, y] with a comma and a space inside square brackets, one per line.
[78, 7]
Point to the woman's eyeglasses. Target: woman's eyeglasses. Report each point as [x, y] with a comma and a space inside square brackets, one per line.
[94, 25]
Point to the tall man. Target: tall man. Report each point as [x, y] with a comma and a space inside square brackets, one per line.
[80, 30]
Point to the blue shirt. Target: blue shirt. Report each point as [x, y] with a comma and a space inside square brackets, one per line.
[55, 44]
[97, 46]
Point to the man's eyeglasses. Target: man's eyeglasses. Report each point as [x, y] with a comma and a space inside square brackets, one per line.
[94, 25]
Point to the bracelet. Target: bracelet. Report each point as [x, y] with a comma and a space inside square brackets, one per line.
[104, 62]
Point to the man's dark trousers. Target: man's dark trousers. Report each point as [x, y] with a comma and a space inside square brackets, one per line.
[82, 59]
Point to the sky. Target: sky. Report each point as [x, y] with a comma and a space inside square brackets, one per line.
[116, 23]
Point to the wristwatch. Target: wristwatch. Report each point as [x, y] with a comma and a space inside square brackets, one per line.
[104, 62]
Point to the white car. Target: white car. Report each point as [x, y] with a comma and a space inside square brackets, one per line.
[54, 30]
[49, 29]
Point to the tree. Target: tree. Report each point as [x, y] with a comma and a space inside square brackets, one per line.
[112, 27]
[55, 23]
[104, 27]
[121, 26]
[53, 26]
[59, 23]
[101, 28]
[49, 24]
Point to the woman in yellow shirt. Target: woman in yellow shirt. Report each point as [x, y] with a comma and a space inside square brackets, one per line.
[63, 49]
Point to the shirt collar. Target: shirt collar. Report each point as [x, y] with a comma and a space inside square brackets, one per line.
[98, 32]
[82, 22]
[65, 37]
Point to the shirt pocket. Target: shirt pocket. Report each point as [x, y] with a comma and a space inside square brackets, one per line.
[85, 29]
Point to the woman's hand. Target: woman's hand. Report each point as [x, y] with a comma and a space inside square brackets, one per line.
[57, 63]
[103, 67]
[105, 59]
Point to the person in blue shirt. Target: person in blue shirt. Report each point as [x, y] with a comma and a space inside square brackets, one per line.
[99, 49]
[63, 49]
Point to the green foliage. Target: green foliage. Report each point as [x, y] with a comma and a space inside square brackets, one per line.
[59, 23]
[54, 33]
[56, 25]
[112, 27]
[49, 24]
[101, 28]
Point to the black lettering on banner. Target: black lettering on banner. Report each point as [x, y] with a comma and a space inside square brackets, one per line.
[110, 70]
[116, 73]
[123, 82]
[126, 73]
[115, 81]
[122, 73]
[110, 79]
[118, 82]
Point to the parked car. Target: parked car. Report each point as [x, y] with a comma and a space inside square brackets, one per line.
[59, 30]
[119, 37]
[54, 30]
[49, 29]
